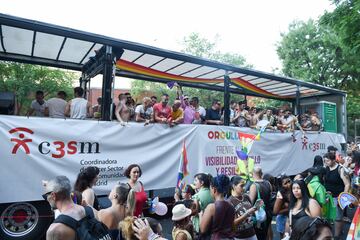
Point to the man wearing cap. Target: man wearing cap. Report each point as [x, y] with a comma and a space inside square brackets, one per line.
[182, 227]
[58, 196]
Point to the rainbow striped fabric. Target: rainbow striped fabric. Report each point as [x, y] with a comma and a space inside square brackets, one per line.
[138, 69]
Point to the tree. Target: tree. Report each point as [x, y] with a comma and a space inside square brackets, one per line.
[344, 21]
[198, 46]
[25, 79]
[309, 52]
[315, 52]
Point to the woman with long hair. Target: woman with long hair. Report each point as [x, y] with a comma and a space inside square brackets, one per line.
[281, 206]
[301, 204]
[218, 218]
[202, 198]
[122, 199]
[243, 210]
[133, 173]
[84, 183]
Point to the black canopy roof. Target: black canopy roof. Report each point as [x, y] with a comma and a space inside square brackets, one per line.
[35, 42]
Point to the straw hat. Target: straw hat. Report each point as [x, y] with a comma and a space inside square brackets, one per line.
[180, 212]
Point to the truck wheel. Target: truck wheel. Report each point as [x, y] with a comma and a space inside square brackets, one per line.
[25, 220]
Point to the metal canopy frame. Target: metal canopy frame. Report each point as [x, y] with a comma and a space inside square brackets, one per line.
[23, 40]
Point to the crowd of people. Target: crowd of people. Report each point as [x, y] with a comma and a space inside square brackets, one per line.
[184, 110]
[304, 206]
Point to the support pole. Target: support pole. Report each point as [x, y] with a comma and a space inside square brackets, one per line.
[343, 117]
[297, 103]
[108, 78]
[226, 100]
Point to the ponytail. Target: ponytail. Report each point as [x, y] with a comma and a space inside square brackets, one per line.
[130, 203]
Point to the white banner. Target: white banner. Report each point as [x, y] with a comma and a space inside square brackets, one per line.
[35, 149]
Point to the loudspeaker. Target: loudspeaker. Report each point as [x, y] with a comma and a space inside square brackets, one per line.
[7, 103]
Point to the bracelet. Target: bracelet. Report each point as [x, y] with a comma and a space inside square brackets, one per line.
[153, 236]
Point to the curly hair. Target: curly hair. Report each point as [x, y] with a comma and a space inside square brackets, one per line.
[221, 183]
[125, 227]
[85, 178]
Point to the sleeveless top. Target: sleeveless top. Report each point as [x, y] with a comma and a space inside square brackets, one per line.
[295, 217]
[223, 220]
[333, 181]
[78, 109]
[176, 231]
[96, 203]
[140, 199]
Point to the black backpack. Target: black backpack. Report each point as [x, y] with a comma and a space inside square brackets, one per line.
[88, 228]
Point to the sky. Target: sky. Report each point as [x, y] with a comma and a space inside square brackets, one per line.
[247, 27]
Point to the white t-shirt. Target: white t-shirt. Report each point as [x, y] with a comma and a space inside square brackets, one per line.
[144, 114]
[56, 107]
[39, 109]
[78, 108]
[287, 120]
[200, 114]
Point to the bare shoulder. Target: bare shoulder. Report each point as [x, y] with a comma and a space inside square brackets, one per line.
[59, 231]
[210, 207]
[104, 214]
[313, 202]
[88, 191]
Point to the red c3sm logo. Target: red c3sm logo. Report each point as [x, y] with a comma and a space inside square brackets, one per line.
[57, 149]
[21, 141]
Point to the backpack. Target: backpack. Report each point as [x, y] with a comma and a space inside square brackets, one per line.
[88, 228]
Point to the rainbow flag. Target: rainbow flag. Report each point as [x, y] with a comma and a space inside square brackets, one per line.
[354, 231]
[183, 168]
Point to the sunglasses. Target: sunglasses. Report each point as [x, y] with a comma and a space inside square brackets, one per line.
[45, 195]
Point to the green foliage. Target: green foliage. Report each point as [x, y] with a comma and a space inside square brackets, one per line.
[310, 52]
[327, 52]
[198, 46]
[25, 79]
[344, 21]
